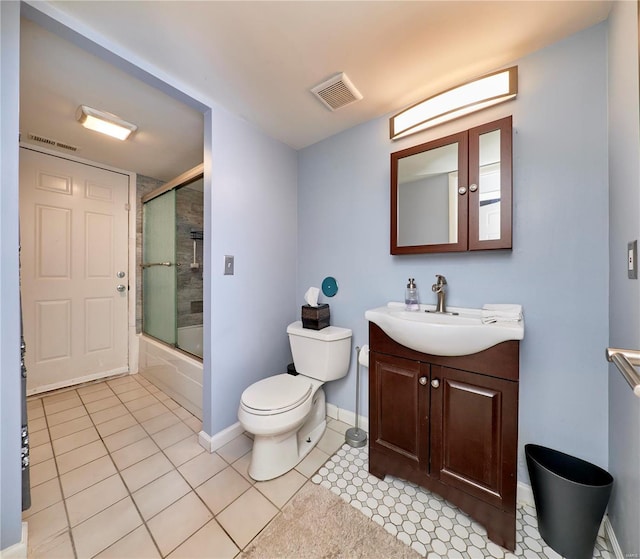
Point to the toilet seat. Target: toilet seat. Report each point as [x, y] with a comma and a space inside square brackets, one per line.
[276, 394]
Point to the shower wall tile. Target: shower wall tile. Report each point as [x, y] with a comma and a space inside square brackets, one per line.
[189, 217]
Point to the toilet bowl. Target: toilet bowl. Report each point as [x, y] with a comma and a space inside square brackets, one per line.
[287, 413]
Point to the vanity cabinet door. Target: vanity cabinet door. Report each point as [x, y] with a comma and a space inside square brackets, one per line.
[399, 402]
[474, 428]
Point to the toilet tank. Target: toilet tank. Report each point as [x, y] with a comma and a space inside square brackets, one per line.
[320, 354]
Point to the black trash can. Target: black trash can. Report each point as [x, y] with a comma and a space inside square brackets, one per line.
[571, 496]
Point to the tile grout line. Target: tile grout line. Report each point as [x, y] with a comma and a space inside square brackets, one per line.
[124, 483]
[307, 479]
[174, 468]
[55, 462]
[129, 494]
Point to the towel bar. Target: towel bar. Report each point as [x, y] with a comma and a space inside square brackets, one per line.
[148, 265]
[625, 359]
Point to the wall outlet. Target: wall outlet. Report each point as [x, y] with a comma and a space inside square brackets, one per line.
[632, 260]
[228, 265]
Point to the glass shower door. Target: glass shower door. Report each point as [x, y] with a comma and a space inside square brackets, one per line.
[158, 268]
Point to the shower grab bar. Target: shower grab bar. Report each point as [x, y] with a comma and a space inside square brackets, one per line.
[156, 264]
[626, 360]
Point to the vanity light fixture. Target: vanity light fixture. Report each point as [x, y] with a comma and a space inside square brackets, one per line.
[105, 123]
[473, 96]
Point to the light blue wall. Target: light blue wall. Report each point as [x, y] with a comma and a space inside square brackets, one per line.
[10, 472]
[624, 312]
[253, 217]
[250, 212]
[558, 269]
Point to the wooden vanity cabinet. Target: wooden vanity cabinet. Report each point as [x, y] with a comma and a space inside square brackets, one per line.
[449, 424]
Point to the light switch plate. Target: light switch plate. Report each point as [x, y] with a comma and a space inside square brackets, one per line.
[228, 265]
[632, 260]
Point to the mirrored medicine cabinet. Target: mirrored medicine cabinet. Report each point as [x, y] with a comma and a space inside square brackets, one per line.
[453, 194]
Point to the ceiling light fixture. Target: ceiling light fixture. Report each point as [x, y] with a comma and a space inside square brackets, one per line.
[105, 123]
[479, 94]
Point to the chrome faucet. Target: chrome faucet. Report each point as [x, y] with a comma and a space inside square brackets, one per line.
[438, 289]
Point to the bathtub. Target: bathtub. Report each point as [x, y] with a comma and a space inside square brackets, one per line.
[177, 374]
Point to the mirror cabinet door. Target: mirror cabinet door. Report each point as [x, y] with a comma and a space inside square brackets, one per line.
[428, 212]
[490, 185]
[453, 194]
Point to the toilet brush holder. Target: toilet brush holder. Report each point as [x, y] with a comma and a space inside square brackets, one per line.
[355, 436]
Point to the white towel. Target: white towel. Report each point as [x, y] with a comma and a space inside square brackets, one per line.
[492, 313]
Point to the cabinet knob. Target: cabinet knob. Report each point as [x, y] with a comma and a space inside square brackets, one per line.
[473, 187]
[435, 383]
[462, 190]
[422, 380]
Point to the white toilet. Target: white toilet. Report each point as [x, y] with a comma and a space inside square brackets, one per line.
[287, 413]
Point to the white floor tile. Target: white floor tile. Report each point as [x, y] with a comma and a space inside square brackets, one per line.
[222, 489]
[95, 499]
[246, 517]
[178, 522]
[105, 528]
[159, 494]
[201, 545]
[202, 468]
[235, 449]
[161, 465]
[135, 545]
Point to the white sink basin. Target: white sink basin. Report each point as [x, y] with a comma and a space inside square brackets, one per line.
[442, 334]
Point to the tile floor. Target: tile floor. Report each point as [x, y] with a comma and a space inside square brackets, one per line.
[425, 521]
[117, 472]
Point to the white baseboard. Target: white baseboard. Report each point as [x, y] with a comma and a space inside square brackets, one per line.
[524, 494]
[213, 443]
[613, 540]
[348, 417]
[18, 550]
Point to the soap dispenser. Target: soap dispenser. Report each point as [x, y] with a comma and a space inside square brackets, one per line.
[411, 296]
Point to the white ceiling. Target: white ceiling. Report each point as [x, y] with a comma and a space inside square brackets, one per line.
[260, 59]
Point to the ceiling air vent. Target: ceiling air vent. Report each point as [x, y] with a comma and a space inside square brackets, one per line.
[336, 92]
[50, 142]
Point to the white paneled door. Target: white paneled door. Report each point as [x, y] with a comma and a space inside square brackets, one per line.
[74, 280]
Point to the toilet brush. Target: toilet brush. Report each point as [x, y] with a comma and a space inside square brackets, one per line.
[355, 436]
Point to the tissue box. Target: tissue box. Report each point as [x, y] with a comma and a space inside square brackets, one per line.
[315, 318]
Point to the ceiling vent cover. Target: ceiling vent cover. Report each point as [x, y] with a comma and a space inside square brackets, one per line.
[337, 92]
[50, 142]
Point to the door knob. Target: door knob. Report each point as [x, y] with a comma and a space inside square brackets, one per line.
[435, 383]
[121, 288]
[422, 380]
[120, 274]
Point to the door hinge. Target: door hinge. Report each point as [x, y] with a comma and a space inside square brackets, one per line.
[127, 207]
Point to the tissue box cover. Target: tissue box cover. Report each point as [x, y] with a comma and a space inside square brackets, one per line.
[315, 318]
